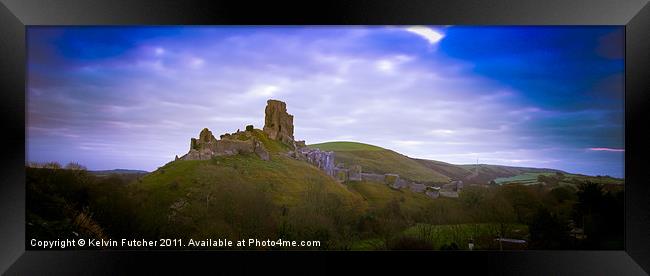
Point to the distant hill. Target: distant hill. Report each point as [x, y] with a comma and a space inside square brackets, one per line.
[450, 170]
[375, 159]
[118, 171]
[486, 173]
[379, 160]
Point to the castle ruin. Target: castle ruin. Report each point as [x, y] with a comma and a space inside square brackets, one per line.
[278, 126]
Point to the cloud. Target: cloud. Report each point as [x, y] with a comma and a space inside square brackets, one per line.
[370, 85]
[389, 65]
[159, 51]
[606, 149]
[427, 33]
[408, 143]
[263, 91]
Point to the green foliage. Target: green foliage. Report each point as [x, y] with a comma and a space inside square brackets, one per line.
[409, 243]
[61, 203]
[600, 214]
[378, 195]
[75, 166]
[548, 231]
[483, 234]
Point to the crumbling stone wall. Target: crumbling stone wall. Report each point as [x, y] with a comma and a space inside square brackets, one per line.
[321, 159]
[206, 146]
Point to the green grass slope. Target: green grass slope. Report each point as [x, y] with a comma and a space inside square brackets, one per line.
[242, 196]
[379, 160]
[524, 178]
[450, 170]
[378, 195]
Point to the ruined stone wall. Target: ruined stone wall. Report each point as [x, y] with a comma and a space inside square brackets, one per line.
[372, 177]
[321, 159]
[417, 187]
[207, 146]
[354, 173]
[432, 192]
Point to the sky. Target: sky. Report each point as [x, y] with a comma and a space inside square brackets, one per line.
[132, 97]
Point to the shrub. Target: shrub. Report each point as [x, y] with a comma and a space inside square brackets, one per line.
[452, 246]
[75, 166]
[409, 243]
[52, 165]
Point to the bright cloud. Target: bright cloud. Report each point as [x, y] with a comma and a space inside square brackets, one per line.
[427, 33]
[606, 149]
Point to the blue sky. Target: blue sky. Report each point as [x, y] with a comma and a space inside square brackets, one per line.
[131, 97]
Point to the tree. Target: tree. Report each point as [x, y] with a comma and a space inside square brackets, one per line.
[600, 214]
[498, 210]
[52, 165]
[547, 231]
[75, 166]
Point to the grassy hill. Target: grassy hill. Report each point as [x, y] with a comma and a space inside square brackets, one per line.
[346, 146]
[379, 160]
[243, 196]
[450, 170]
[378, 195]
[118, 171]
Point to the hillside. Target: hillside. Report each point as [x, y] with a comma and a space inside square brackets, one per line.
[379, 195]
[379, 160]
[117, 171]
[487, 173]
[374, 159]
[450, 170]
[239, 195]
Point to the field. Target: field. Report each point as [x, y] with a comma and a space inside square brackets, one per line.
[524, 179]
[446, 236]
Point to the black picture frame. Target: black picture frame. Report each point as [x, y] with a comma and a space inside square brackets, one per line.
[15, 15]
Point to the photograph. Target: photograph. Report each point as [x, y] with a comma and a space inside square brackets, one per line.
[325, 138]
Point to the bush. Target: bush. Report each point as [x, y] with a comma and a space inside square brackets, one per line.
[409, 243]
[547, 231]
[52, 165]
[452, 246]
[75, 167]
